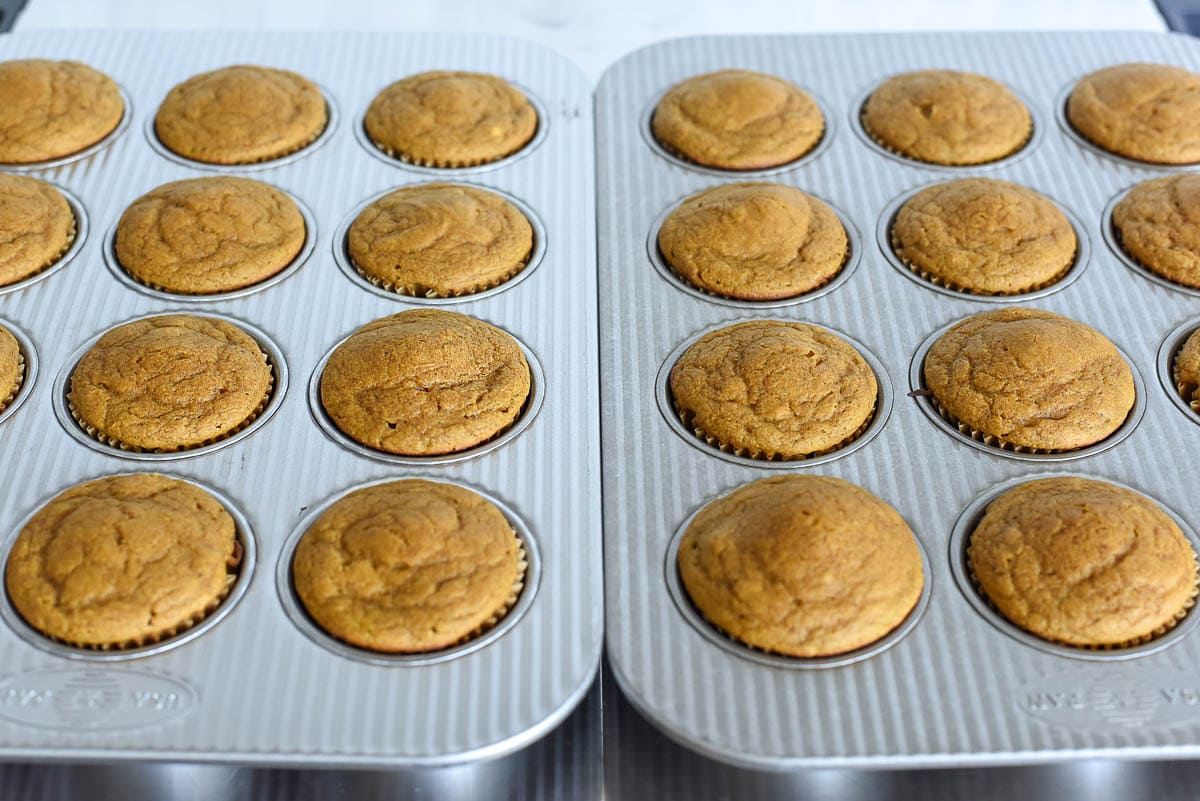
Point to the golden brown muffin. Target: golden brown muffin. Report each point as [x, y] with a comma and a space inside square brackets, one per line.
[12, 368]
[738, 120]
[1083, 562]
[203, 236]
[984, 236]
[410, 566]
[1030, 379]
[804, 566]
[1158, 226]
[123, 561]
[439, 241]
[1187, 370]
[754, 241]
[170, 383]
[450, 119]
[774, 390]
[37, 227]
[425, 382]
[53, 109]
[1142, 111]
[241, 115]
[947, 117]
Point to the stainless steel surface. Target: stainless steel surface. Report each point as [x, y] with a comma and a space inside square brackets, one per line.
[255, 689]
[954, 691]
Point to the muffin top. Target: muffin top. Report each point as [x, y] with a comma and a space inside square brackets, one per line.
[801, 565]
[53, 109]
[408, 567]
[1142, 111]
[440, 240]
[12, 370]
[241, 115]
[947, 117]
[1187, 370]
[738, 120]
[425, 382]
[774, 389]
[37, 227]
[122, 561]
[202, 236]
[1083, 562]
[984, 236]
[1158, 225]
[1031, 378]
[754, 241]
[450, 119]
[170, 382]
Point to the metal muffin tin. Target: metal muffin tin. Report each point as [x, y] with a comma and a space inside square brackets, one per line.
[954, 690]
[257, 689]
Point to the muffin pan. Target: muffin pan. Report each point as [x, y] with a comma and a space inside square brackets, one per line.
[258, 688]
[954, 690]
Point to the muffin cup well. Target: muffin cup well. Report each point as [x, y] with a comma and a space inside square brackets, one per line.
[27, 371]
[888, 247]
[964, 577]
[696, 437]
[89, 435]
[76, 238]
[90, 150]
[499, 624]
[341, 255]
[240, 572]
[1112, 238]
[1168, 353]
[988, 443]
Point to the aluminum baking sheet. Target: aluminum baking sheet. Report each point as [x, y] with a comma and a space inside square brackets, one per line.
[256, 688]
[955, 690]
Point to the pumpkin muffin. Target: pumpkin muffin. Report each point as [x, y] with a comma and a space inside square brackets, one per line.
[439, 241]
[985, 237]
[203, 236]
[37, 227]
[804, 566]
[947, 117]
[123, 561]
[1083, 562]
[738, 120]
[12, 368]
[754, 241]
[1158, 225]
[1187, 370]
[408, 567]
[1141, 111]
[1030, 380]
[450, 119]
[425, 382]
[170, 383]
[774, 390]
[241, 115]
[53, 109]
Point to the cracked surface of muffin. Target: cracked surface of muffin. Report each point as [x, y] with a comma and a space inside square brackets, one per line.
[54, 109]
[12, 368]
[37, 227]
[1158, 225]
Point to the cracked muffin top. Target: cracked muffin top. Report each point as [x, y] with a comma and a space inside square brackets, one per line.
[1142, 111]
[801, 565]
[12, 367]
[450, 119]
[738, 120]
[169, 383]
[204, 236]
[947, 117]
[241, 115]
[53, 109]
[1158, 225]
[440, 240]
[754, 241]
[37, 226]
[123, 561]
[984, 236]
[774, 389]
[425, 382]
[410, 566]
[1083, 562]
[1187, 370]
[1031, 378]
